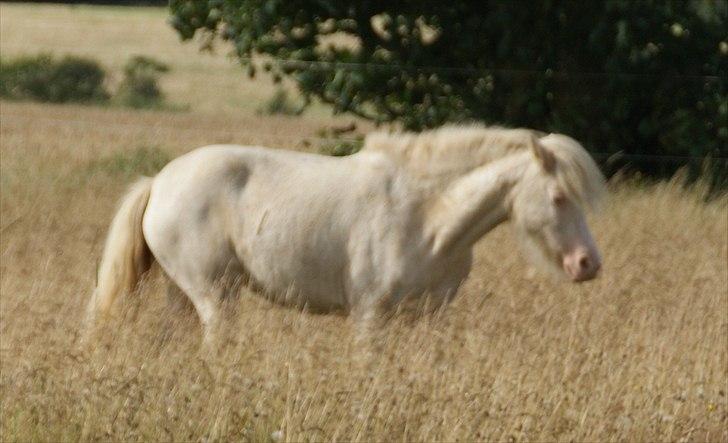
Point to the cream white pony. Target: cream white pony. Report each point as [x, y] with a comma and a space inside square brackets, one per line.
[360, 233]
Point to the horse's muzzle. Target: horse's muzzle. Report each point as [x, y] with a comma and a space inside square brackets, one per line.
[582, 265]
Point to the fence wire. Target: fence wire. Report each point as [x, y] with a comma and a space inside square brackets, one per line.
[429, 69]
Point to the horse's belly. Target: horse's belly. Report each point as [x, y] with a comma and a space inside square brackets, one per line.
[303, 284]
[295, 265]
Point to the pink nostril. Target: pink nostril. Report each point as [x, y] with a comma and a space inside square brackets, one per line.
[584, 263]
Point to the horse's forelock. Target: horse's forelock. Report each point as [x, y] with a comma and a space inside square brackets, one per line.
[576, 171]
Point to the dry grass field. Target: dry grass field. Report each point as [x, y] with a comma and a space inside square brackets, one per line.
[207, 82]
[640, 354]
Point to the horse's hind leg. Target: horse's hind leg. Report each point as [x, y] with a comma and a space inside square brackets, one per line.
[207, 299]
[206, 302]
[194, 291]
[177, 300]
[200, 267]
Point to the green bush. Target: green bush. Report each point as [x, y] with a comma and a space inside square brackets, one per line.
[281, 104]
[341, 148]
[340, 141]
[42, 78]
[140, 88]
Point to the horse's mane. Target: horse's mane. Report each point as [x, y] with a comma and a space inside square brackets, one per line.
[441, 155]
[448, 150]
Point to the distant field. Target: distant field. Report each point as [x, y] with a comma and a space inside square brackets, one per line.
[640, 354]
[207, 82]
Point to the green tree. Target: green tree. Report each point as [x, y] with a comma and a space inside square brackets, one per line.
[636, 76]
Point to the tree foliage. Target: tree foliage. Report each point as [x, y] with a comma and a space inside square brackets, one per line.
[636, 76]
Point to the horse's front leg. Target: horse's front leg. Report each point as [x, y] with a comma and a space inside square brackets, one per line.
[370, 320]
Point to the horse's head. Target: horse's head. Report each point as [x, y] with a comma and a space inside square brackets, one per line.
[548, 207]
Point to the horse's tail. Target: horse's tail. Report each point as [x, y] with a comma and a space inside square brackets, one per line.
[126, 254]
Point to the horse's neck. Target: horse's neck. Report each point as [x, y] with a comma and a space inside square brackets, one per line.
[435, 179]
[474, 204]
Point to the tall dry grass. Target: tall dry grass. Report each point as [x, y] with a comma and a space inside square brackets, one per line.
[639, 354]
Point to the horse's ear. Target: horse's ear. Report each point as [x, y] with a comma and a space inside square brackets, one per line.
[544, 156]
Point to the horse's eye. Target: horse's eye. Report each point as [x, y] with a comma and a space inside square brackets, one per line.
[559, 199]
